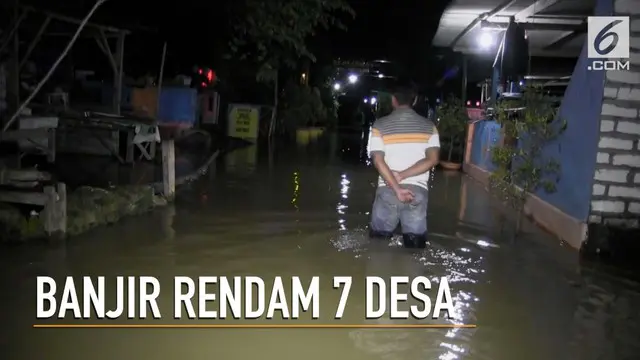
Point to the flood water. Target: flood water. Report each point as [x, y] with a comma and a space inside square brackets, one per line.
[304, 212]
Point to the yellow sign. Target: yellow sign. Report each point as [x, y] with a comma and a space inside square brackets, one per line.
[243, 121]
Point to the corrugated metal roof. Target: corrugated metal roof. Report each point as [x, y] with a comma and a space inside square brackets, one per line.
[546, 22]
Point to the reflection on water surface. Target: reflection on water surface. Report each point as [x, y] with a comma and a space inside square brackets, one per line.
[304, 213]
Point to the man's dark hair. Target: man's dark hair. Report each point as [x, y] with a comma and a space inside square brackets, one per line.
[404, 94]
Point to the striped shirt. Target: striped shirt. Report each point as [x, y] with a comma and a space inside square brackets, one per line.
[403, 136]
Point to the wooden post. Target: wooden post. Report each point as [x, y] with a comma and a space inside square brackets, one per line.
[168, 168]
[62, 208]
[152, 147]
[54, 214]
[49, 212]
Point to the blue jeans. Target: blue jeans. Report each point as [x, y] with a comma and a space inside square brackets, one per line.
[388, 212]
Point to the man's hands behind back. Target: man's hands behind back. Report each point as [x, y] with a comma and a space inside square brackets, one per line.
[404, 195]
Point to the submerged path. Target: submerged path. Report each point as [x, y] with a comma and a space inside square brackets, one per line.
[304, 212]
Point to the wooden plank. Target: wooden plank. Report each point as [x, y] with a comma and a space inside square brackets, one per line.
[29, 198]
[143, 151]
[7, 175]
[22, 184]
[14, 135]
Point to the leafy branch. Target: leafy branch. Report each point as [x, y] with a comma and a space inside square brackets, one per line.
[274, 33]
[528, 125]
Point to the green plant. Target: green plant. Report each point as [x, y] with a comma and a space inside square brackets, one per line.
[453, 118]
[303, 106]
[528, 124]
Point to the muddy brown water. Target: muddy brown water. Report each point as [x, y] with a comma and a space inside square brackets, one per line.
[304, 212]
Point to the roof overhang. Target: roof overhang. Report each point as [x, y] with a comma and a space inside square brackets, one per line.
[554, 28]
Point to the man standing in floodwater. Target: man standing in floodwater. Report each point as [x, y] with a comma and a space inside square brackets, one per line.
[404, 147]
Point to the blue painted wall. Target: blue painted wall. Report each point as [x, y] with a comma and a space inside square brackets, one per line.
[577, 147]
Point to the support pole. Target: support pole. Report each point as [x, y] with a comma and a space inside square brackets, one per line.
[103, 43]
[14, 29]
[272, 123]
[152, 146]
[464, 79]
[62, 208]
[117, 94]
[54, 214]
[495, 78]
[168, 168]
[496, 73]
[160, 76]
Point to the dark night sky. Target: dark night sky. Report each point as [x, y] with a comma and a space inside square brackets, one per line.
[396, 29]
[196, 31]
[393, 29]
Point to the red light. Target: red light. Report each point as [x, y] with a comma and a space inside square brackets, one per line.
[210, 75]
[200, 71]
[468, 103]
[477, 103]
[204, 84]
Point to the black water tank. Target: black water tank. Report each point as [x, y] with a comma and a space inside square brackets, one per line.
[515, 56]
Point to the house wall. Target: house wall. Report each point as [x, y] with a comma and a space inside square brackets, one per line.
[616, 181]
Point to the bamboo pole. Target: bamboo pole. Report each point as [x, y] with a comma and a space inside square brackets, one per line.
[160, 76]
[15, 116]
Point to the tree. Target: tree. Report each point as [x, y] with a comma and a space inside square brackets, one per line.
[528, 124]
[302, 105]
[453, 118]
[273, 34]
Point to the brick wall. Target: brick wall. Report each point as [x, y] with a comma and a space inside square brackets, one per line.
[616, 190]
